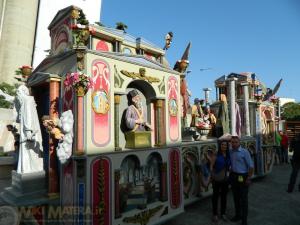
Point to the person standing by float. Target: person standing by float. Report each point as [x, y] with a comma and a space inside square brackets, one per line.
[241, 172]
[220, 170]
[295, 147]
[284, 147]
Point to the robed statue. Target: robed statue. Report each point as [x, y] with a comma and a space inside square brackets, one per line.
[30, 157]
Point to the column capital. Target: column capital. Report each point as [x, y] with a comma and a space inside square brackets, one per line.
[159, 103]
[232, 79]
[117, 99]
[207, 89]
[245, 84]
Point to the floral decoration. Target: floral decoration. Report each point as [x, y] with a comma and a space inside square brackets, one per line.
[79, 81]
[24, 70]
[203, 124]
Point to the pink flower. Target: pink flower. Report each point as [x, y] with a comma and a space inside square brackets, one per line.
[92, 30]
[75, 77]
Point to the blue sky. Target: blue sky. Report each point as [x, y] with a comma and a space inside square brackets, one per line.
[261, 36]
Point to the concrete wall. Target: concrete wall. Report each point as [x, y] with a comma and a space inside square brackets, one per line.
[17, 31]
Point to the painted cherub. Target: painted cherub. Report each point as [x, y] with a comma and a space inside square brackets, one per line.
[52, 127]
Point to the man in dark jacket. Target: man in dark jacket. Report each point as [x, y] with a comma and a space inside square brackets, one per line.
[295, 147]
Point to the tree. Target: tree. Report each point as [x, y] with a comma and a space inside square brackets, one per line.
[121, 26]
[291, 111]
[8, 89]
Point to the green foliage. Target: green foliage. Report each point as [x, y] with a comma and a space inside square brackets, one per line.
[121, 26]
[8, 89]
[100, 24]
[82, 19]
[291, 111]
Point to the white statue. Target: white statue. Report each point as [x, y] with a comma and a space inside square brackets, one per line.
[64, 148]
[30, 157]
[62, 130]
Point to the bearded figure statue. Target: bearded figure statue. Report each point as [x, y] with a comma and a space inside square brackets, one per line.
[134, 118]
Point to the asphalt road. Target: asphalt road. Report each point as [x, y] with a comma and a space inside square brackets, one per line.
[269, 203]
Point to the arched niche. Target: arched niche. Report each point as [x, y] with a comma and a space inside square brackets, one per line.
[154, 161]
[130, 170]
[147, 94]
[190, 176]
[152, 177]
[268, 126]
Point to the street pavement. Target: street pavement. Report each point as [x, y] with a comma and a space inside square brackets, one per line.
[269, 203]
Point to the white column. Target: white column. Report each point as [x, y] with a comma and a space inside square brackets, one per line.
[206, 94]
[232, 105]
[246, 107]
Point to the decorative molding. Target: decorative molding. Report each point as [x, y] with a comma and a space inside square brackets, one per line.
[80, 60]
[141, 75]
[175, 181]
[118, 79]
[144, 217]
[162, 86]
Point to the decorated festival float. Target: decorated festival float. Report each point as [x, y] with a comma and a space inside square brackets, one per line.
[121, 143]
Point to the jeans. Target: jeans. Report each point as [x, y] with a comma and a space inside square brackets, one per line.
[285, 155]
[220, 189]
[293, 177]
[240, 197]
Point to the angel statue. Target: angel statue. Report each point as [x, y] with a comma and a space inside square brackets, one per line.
[168, 39]
[269, 93]
[62, 130]
[30, 157]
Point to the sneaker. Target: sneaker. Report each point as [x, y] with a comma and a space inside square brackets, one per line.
[236, 219]
[224, 218]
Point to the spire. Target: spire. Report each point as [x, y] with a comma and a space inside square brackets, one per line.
[182, 64]
[186, 53]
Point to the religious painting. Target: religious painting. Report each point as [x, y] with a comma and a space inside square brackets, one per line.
[131, 183]
[267, 125]
[251, 146]
[190, 176]
[152, 177]
[203, 169]
[269, 155]
[100, 102]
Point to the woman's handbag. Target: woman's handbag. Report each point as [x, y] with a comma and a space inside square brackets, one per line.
[220, 176]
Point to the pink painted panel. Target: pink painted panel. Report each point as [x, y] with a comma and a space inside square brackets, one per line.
[100, 188]
[174, 174]
[101, 123]
[173, 102]
[102, 46]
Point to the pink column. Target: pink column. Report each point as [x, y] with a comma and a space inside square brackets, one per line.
[53, 187]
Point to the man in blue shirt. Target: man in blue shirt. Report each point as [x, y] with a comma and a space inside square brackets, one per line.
[241, 172]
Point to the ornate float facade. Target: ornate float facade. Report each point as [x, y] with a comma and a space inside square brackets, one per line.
[117, 175]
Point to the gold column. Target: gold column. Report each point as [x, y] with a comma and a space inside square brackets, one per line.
[158, 123]
[117, 122]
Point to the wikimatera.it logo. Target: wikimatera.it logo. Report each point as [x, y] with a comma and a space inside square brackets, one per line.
[10, 215]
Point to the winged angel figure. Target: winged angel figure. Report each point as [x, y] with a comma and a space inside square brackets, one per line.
[62, 130]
